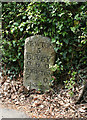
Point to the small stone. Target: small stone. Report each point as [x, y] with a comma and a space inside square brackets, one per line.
[2, 86]
[11, 82]
[5, 93]
[37, 104]
[35, 98]
[18, 83]
[52, 114]
[41, 106]
[8, 81]
[6, 99]
[56, 109]
[12, 95]
[16, 86]
[56, 98]
[9, 101]
[22, 99]
[2, 93]
[82, 109]
[9, 96]
[17, 103]
[5, 90]
[6, 84]
[9, 87]
[22, 96]
[12, 91]
[15, 96]
[9, 91]
[16, 93]
[20, 90]
[1, 96]
[3, 100]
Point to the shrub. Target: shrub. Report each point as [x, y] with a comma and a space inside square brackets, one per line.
[64, 23]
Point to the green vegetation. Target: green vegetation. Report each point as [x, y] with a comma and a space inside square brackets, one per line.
[64, 23]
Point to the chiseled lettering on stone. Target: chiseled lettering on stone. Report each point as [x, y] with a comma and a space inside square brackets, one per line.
[45, 80]
[42, 44]
[38, 55]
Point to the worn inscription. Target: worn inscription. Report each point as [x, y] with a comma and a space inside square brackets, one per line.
[38, 55]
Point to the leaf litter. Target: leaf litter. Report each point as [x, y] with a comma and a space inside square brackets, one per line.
[47, 105]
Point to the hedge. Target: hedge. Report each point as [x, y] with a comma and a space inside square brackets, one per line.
[64, 23]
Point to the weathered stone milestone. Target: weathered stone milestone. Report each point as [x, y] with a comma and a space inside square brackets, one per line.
[38, 55]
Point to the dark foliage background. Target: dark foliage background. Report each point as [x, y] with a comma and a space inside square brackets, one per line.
[64, 23]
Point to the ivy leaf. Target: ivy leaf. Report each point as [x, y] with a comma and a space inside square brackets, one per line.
[73, 29]
[12, 30]
[21, 29]
[61, 14]
[24, 17]
[66, 41]
[64, 54]
[16, 24]
[53, 40]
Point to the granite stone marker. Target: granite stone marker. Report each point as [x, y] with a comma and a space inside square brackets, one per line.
[38, 55]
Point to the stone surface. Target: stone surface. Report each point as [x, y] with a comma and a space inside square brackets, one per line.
[38, 55]
[10, 113]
